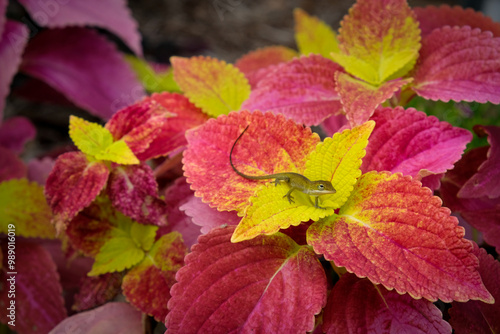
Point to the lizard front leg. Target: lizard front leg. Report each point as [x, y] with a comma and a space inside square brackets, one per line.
[289, 195]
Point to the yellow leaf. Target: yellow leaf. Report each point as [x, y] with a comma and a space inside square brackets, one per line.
[313, 35]
[118, 152]
[338, 159]
[270, 212]
[96, 141]
[211, 84]
[381, 49]
[90, 138]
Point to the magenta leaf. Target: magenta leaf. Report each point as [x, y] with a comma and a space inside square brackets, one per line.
[302, 89]
[459, 64]
[410, 142]
[485, 181]
[12, 42]
[39, 169]
[478, 317]
[268, 284]
[3, 10]
[15, 132]
[85, 67]
[111, 15]
[206, 217]
[73, 184]
[176, 195]
[114, 317]
[432, 17]
[97, 290]
[11, 167]
[358, 304]
[482, 213]
[38, 294]
[133, 190]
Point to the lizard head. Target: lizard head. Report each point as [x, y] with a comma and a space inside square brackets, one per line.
[321, 188]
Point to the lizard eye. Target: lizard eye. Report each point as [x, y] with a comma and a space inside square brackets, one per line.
[321, 186]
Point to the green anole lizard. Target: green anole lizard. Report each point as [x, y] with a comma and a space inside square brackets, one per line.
[294, 180]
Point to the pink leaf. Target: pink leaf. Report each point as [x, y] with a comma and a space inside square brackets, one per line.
[361, 306]
[15, 132]
[116, 318]
[206, 217]
[156, 125]
[73, 184]
[459, 64]
[38, 301]
[485, 181]
[394, 232]
[85, 67]
[412, 143]
[12, 42]
[257, 64]
[360, 99]
[111, 15]
[432, 17]
[302, 89]
[268, 284]
[11, 167]
[39, 169]
[175, 196]
[482, 213]
[478, 317]
[133, 190]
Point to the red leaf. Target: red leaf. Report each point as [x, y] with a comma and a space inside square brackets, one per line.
[11, 167]
[272, 144]
[96, 291]
[133, 190]
[412, 143]
[38, 301]
[147, 285]
[459, 64]
[13, 39]
[358, 306]
[156, 126]
[484, 182]
[482, 213]
[257, 64]
[111, 15]
[73, 184]
[116, 318]
[360, 99]
[302, 89]
[85, 67]
[475, 316]
[432, 17]
[396, 233]
[267, 285]
[15, 132]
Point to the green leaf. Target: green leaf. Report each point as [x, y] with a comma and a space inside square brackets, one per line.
[23, 208]
[154, 82]
[125, 249]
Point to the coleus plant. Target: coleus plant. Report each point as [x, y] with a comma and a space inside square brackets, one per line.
[377, 254]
